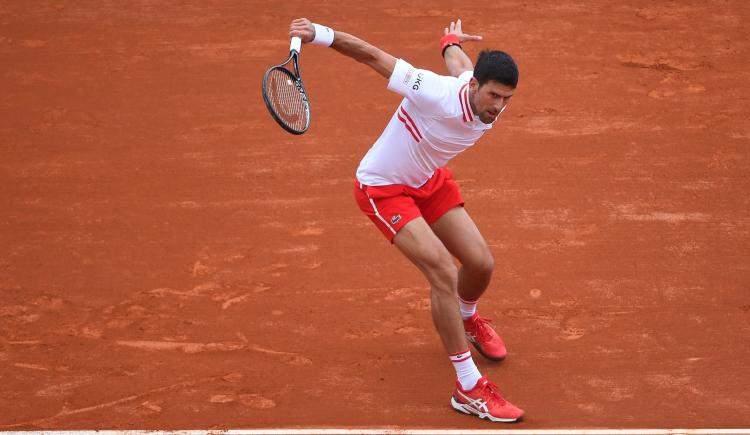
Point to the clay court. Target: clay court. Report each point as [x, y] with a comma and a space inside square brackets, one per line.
[172, 259]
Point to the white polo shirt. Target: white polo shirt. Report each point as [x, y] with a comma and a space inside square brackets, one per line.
[433, 124]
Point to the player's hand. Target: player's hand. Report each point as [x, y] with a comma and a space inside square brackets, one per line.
[302, 28]
[455, 29]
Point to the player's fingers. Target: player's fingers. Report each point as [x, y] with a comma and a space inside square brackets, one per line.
[305, 37]
[453, 26]
[302, 26]
[472, 37]
[302, 30]
[445, 32]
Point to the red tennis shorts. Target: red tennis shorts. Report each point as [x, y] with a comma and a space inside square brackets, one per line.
[392, 206]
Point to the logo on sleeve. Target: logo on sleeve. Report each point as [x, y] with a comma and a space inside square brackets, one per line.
[395, 219]
[408, 75]
[418, 81]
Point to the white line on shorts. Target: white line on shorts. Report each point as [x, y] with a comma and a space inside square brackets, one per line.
[377, 213]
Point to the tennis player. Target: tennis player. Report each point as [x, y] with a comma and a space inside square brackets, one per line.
[404, 187]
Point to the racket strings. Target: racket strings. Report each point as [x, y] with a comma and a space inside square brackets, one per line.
[287, 100]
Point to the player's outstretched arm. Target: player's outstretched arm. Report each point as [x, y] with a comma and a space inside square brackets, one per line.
[455, 59]
[348, 45]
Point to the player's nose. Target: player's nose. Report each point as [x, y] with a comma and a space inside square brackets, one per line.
[500, 105]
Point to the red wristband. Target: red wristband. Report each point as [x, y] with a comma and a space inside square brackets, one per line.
[448, 40]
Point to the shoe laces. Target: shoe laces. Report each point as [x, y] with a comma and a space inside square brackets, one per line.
[482, 328]
[490, 391]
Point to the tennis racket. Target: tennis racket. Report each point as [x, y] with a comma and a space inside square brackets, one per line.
[285, 95]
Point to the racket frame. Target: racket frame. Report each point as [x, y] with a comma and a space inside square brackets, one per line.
[294, 49]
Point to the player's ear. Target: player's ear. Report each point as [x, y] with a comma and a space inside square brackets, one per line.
[473, 84]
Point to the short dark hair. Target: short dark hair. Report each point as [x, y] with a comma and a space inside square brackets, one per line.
[498, 66]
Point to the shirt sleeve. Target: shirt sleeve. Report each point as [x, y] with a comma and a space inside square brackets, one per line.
[466, 76]
[428, 91]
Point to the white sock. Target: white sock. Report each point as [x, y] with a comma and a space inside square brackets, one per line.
[466, 370]
[467, 308]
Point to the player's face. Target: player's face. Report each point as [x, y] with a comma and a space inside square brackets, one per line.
[489, 100]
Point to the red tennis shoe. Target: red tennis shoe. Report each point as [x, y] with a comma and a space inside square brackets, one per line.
[485, 401]
[484, 338]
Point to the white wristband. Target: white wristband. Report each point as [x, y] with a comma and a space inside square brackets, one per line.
[323, 35]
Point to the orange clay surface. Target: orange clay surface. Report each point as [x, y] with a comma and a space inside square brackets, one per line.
[172, 259]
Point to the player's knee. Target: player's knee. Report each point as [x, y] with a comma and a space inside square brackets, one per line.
[486, 265]
[481, 265]
[442, 274]
[447, 276]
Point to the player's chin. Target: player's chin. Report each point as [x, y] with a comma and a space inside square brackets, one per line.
[489, 117]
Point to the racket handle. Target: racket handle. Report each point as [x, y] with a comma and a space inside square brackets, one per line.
[296, 44]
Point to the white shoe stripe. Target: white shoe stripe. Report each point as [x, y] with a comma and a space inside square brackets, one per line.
[478, 404]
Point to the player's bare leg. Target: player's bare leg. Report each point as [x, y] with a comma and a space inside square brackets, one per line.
[462, 238]
[473, 394]
[420, 245]
[458, 233]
